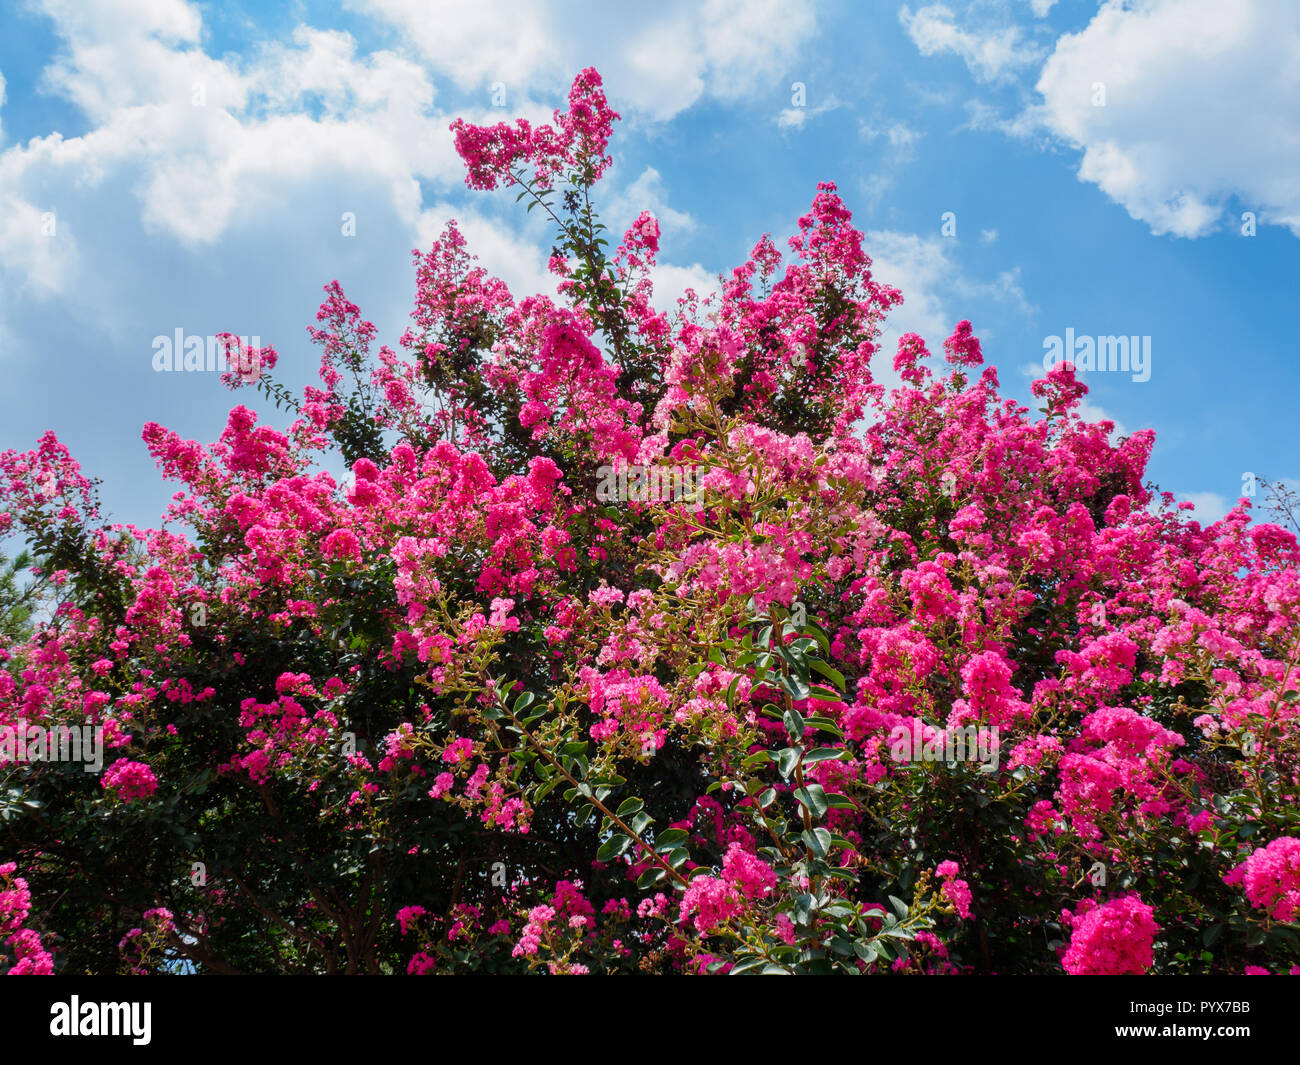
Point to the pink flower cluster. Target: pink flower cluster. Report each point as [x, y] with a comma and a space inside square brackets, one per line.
[130, 780]
[30, 958]
[1270, 878]
[955, 890]
[1111, 939]
[530, 940]
[709, 901]
[576, 139]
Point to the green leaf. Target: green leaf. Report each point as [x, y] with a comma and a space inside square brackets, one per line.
[825, 724]
[630, 806]
[822, 639]
[793, 721]
[828, 671]
[813, 797]
[818, 840]
[613, 847]
[786, 760]
[824, 754]
[670, 837]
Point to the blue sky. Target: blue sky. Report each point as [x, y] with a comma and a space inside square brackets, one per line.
[168, 165]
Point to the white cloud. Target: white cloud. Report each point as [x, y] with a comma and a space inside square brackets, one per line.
[511, 41]
[657, 60]
[646, 193]
[1210, 506]
[1041, 7]
[901, 137]
[33, 237]
[988, 236]
[920, 268]
[991, 54]
[671, 282]
[204, 145]
[900, 140]
[208, 144]
[1202, 102]
[936, 294]
[1006, 287]
[797, 117]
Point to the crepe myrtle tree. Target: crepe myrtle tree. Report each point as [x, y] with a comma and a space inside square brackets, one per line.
[459, 714]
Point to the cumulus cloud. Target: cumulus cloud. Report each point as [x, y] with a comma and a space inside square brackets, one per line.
[990, 53]
[1201, 106]
[658, 59]
[204, 145]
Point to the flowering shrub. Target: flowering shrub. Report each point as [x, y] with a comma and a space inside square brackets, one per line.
[458, 714]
